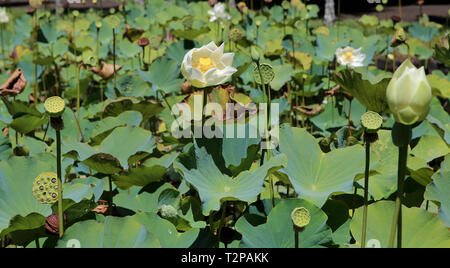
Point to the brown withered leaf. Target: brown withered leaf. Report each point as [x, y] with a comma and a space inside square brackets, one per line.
[310, 111]
[14, 85]
[105, 71]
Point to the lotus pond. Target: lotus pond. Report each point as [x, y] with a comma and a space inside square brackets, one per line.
[196, 124]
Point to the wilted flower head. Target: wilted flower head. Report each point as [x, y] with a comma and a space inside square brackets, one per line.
[350, 57]
[106, 70]
[218, 13]
[207, 66]
[242, 6]
[3, 16]
[409, 94]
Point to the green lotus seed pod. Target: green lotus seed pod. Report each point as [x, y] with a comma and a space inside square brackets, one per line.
[98, 24]
[168, 211]
[300, 217]
[371, 121]
[285, 4]
[76, 13]
[267, 73]
[235, 34]
[45, 188]
[54, 106]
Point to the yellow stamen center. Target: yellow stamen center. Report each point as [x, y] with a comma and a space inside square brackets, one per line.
[204, 64]
[348, 56]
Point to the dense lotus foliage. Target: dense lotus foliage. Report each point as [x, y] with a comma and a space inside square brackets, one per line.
[95, 99]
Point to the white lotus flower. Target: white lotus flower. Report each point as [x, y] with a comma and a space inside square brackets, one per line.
[3, 16]
[207, 66]
[218, 12]
[350, 57]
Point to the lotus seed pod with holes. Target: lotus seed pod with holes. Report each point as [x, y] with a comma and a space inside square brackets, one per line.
[235, 34]
[45, 188]
[168, 211]
[300, 217]
[98, 24]
[54, 106]
[371, 121]
[267, 73]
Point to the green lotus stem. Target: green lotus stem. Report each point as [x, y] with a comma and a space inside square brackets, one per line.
[366, 195]
[339, 18]
[97, 50]
[114, 60]
[221, 223]
[78, 98]
[394, 66]
[400, 8]
[268, 101]
[60, 190]
[349, 118]
[296, 233]
[401, 135]
[332, 98]
[36, 241]
[291, 108]
[110, 191]
[3, 45]
[34, 67]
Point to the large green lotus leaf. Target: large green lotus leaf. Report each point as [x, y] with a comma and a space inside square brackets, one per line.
[282, 76]
[330, 118]
[106, 125]
[27, 123]
[442, 54]
[431, 147]
[438, 117]
[420, 228]
[120, 105]
[126, 49]
[326, 48]
[384, 159]
[314, 174]
[16, 181]
[130, 85]
[23, 230]
[151, 170]
[440, 86]
[166, 232]
[278, 231]
[424, 33]
[86, 188]
[370, 90]
[176, 51]
[17, 108]
[122, 143]
[144, 202]
[164, 75]
[215, 187]
[112, 233]
[439, 190]
[236, 150]
[71, 125]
